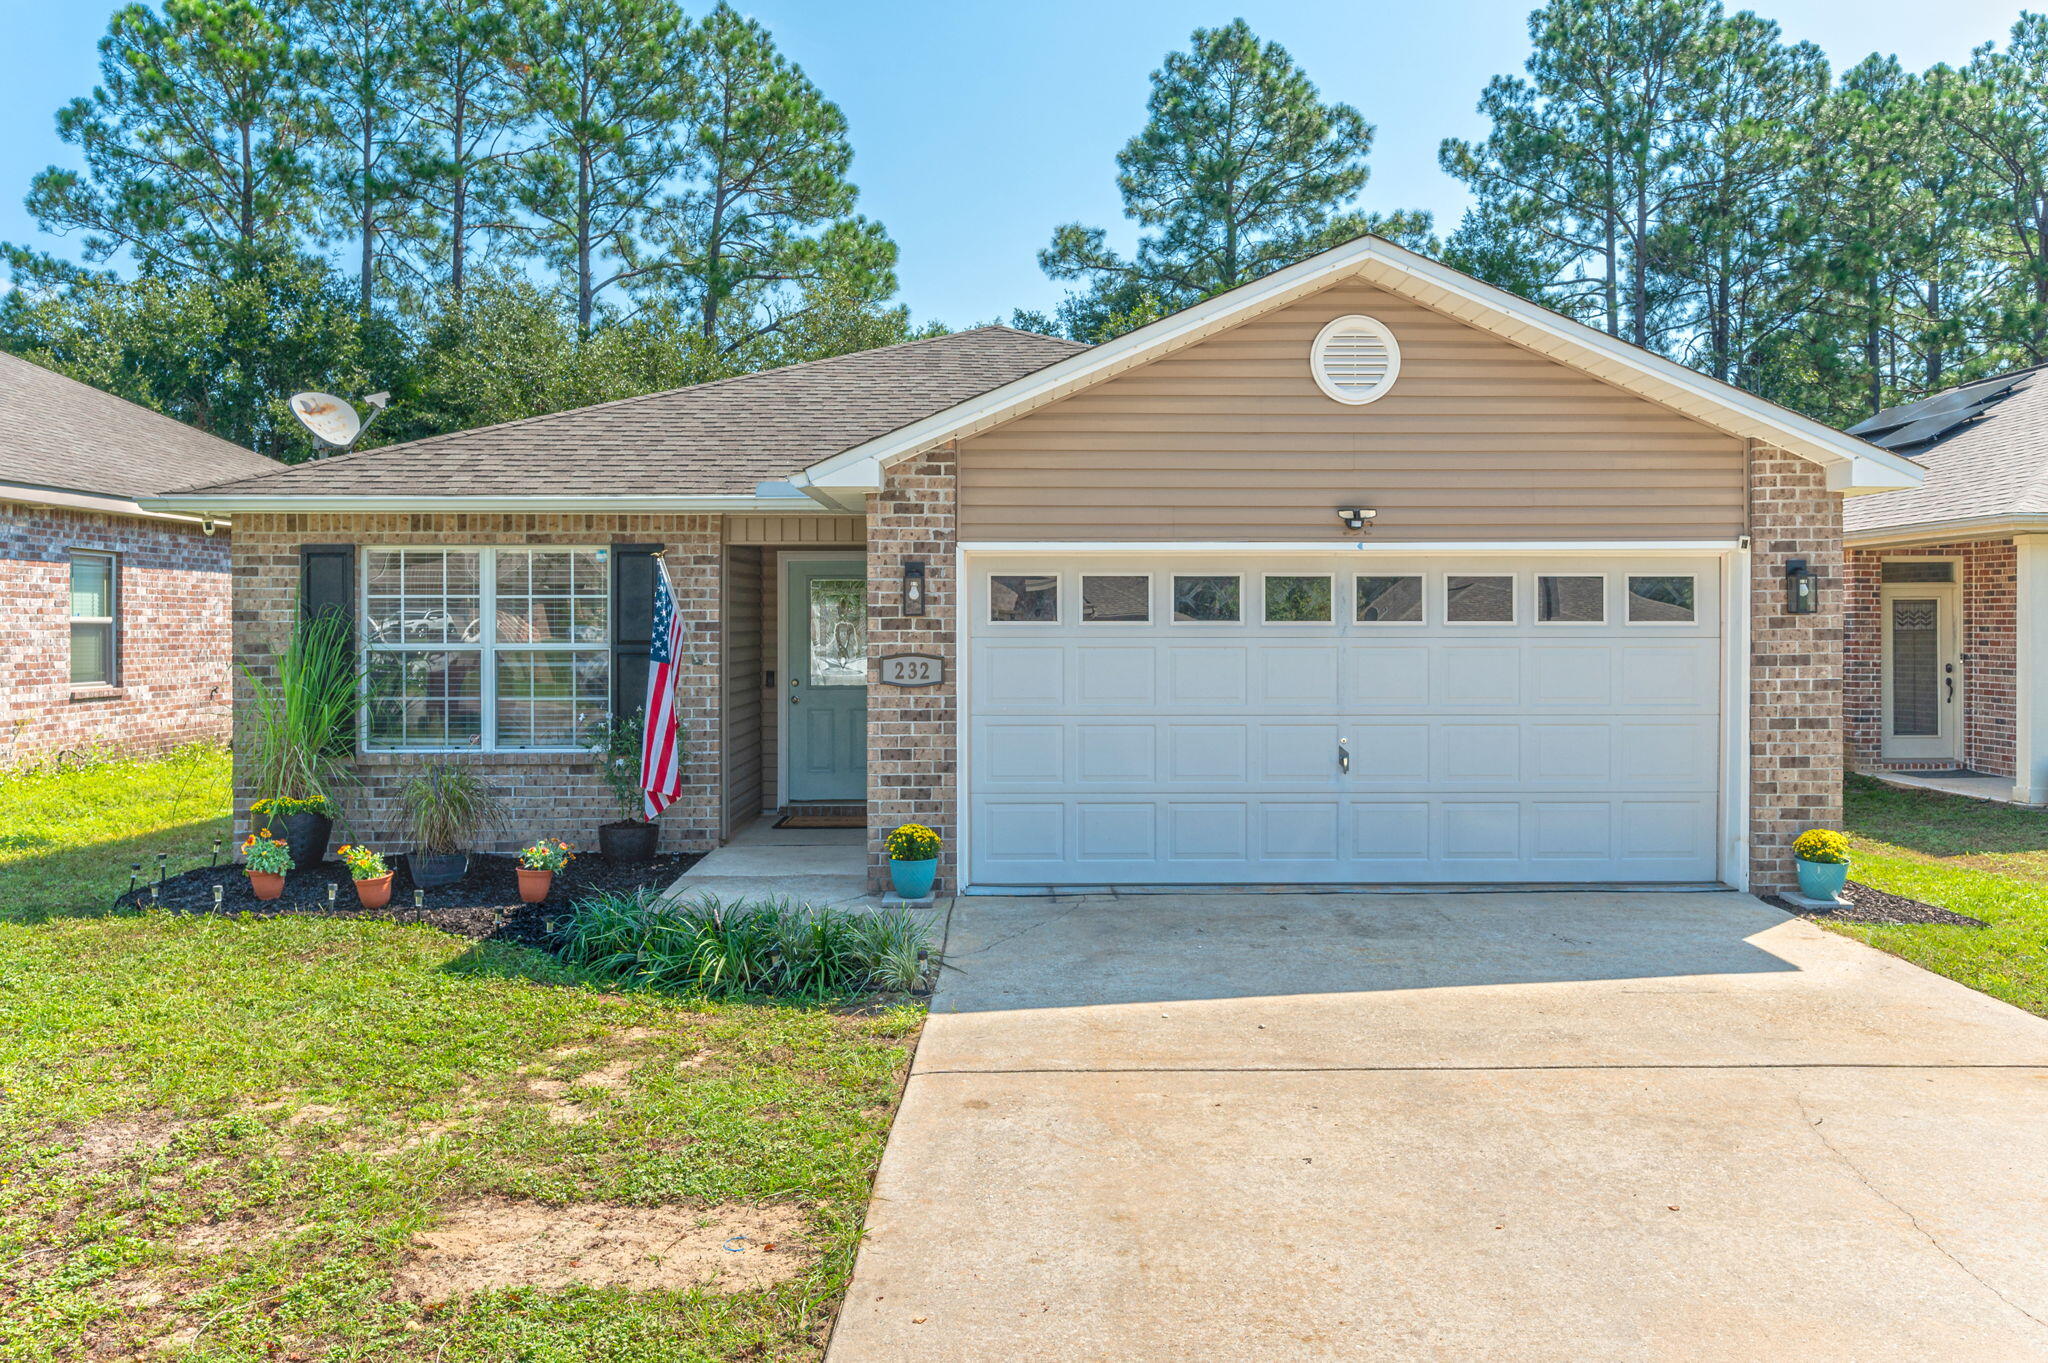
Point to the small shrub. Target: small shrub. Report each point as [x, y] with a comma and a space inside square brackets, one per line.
[1822, 845]
[447, 806]
[728, 950]
[266, 855]
[912, 842]
[362, 863]
[617, 740]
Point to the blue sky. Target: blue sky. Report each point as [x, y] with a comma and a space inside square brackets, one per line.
[979, 125]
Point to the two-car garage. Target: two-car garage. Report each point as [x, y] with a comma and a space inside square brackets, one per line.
[1364, 716]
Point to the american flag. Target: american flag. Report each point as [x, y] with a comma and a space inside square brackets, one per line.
[661, 765]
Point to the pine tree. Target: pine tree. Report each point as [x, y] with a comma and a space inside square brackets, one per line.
[366, 117]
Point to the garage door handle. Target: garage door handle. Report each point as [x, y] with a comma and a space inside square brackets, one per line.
[1343, 758]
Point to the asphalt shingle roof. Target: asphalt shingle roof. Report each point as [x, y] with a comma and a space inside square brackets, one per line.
[59, 433]
[720, 438]
[1994, 467]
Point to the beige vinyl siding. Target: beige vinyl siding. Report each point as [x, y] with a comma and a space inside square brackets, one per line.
[742, 630]
[1230, 439]
[797, 529]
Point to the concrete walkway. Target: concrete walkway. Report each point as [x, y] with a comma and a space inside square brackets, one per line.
[1977, 787]
[813, 865]
[1489, 1126]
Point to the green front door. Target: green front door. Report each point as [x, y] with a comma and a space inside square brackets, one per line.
[826, 645]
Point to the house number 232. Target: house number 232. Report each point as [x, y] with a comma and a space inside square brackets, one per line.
[913, 669]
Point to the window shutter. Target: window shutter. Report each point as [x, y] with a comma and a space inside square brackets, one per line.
[633, 569]
[327, 586]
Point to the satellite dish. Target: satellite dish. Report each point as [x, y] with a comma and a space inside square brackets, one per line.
[334, 423]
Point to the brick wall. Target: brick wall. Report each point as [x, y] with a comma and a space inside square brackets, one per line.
[172, 632]
[550, 794]
[1795, 706]
[912, 766]
[1987, 571]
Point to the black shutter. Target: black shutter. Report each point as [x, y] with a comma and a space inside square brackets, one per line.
[633, 570]
[327, 587]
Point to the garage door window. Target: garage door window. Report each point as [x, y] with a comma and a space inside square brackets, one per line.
[1023, 599]
[1571, 600]
[1479, 600]
[1116, 599]
[1660, 600]
[1293, 599]
[1390, 600]
[1207, 599]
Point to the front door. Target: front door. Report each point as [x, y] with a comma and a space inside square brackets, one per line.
[825, 643]
[1922, 667]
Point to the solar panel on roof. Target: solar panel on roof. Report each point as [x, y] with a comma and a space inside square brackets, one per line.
[1971, 398]
[1920, 432]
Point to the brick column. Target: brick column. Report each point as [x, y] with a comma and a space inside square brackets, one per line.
[912, 764]
[1795, 697]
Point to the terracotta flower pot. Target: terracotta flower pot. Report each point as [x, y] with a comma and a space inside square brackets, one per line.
[375, 894]
[534, 885]
[266, 884]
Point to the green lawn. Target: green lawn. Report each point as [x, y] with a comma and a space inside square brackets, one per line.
[1986, 860]
[221, 1136]
[67, 839]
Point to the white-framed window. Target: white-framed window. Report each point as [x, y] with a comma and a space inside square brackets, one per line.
[1662, 599]
[1024, 598]
[1389, 599]
[1479, 599]
[1300, 598]
[1208, 598]
[502, 649]
[1571, 599]
[94, 610]
[1116, 598]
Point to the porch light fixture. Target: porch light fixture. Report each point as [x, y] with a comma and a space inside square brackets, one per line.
[913, 586]
[1801, 597]
[1355, 517]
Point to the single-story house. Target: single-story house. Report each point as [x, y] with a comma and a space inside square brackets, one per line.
[1365, 572]
[115, 635]
[1948, 590]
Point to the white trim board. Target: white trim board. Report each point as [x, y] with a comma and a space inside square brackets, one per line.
[66, 500]
[1391, 548]
[533, 505]
[1852, 465]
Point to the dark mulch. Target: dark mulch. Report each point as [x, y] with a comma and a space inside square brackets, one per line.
[1881, 908]
[484, 904]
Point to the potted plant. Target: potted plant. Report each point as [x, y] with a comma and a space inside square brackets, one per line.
[913, 860]
[616, 740]
[537, 866]
[300, 726]
[1822, 856]
[370, 874]
[266, 859]
[447, 806]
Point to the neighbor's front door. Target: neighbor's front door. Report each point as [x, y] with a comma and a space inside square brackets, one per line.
[826, 647]
[1922, 663]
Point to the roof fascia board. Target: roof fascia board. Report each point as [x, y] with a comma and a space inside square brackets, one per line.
[1866, 467]
[229, 502]
[92, 501]
[1938, 532]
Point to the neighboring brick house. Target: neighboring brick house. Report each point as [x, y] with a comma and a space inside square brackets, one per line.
[1364, 573]
[1948, 609]
[115, 633]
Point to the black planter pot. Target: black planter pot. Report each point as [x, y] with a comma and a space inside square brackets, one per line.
[307, 836]
[628, 840]
[431, 870]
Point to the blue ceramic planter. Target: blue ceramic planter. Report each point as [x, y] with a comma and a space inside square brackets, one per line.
[913, 879]
[1821, 879]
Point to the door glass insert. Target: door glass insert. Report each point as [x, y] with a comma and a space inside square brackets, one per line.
[1018, 598]
[1479, 600]
[1119, 598]
[1205, 599]
[1297, 600]
[1389, 600]
[839, 631]
[1917, 570]
[1916, 668]
[1571, 600]
[1660, 600]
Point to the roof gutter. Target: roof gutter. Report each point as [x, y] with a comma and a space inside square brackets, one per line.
[218, 504]
[145, 508]
[1943, 531]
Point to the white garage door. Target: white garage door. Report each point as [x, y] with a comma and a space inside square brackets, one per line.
[1191, 720]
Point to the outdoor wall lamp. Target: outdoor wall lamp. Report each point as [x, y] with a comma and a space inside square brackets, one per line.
[913, 586]
[1800, 593]
[1355, 517]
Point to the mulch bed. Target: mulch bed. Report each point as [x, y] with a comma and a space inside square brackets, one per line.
[483, 905]
[1881, 908]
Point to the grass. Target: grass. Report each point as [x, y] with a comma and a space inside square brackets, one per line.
[320, 1091]
[68, 838]
[1986, 860]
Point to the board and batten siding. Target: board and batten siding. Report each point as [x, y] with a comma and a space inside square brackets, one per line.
[1230, 439]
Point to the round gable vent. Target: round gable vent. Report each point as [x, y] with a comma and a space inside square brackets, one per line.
[1355, 359]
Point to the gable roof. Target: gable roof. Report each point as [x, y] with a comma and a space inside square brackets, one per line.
[62, 435]
[710, 444]
[1852, 465]
[1990, 469]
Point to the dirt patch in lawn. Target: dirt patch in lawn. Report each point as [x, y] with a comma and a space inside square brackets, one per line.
[484, 904]
[108, 1141]
[498, 1243]
[1881, 908]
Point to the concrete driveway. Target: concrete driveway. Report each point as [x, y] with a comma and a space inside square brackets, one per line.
[1453, 1126]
